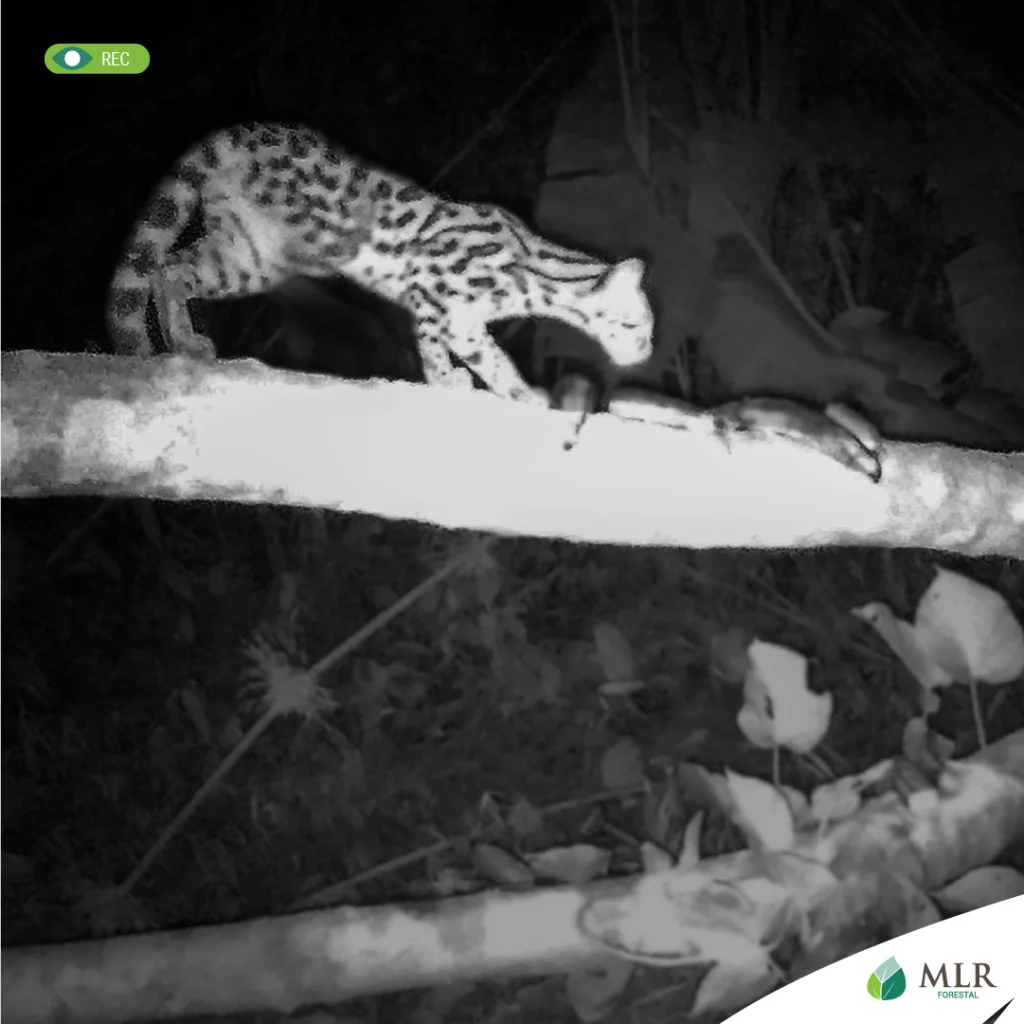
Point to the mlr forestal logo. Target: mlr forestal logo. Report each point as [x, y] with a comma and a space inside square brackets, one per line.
[962, 988]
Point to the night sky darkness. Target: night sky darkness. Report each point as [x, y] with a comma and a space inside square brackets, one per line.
[404, 83]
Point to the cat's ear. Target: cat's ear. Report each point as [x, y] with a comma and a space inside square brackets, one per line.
[628, 275]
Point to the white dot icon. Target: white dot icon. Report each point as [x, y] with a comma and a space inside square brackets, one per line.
[72, 59]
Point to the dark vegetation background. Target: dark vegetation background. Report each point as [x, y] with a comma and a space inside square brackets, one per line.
[123, 621]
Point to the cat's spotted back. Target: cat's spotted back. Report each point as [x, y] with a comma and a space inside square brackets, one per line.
[272, 204]
[276, 202]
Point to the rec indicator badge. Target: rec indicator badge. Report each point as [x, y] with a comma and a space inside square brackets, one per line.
[96, 58]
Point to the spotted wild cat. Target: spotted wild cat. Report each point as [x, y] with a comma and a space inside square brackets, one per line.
[278, 201]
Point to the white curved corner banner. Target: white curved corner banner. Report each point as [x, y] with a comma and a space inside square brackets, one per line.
[967, 970]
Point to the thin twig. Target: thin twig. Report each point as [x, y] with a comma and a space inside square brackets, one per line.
[333, 893]
[499, 115]
[328, 661]
[200, 795]
[773, 272]
[263, 722]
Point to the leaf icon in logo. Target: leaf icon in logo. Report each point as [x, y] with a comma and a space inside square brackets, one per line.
[888, 981]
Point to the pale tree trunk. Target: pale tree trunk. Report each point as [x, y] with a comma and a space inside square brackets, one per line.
[851, 884]
[239, 431]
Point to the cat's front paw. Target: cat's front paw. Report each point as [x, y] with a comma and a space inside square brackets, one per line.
[532, 396]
